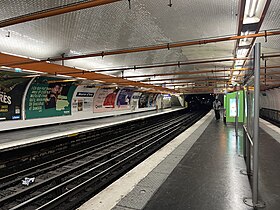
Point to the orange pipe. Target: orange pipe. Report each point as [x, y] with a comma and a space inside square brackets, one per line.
[169, 46]
[54, 11]
[159, 47]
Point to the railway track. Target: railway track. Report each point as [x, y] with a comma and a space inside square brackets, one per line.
[37, 153]
[65, 182]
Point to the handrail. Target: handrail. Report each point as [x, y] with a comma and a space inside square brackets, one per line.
[248, 135]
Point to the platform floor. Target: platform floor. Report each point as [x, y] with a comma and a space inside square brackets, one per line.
[25, 136]
[213, 180]
[208, 175]
[269, 176]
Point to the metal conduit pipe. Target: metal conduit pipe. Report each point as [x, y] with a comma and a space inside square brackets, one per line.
[55, 11]
[169, 45]
[157, 47]
[179, 64]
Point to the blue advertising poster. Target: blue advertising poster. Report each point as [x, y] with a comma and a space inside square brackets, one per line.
[124, 98]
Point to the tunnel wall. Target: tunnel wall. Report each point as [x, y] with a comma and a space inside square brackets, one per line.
[42, 101]
[270, 99]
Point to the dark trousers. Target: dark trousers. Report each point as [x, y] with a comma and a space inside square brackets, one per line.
[217, 114]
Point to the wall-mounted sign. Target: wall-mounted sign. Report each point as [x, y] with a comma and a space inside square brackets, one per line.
[83, 99]
[12, 87]
[49, 97]
[105, 100]
[232, 105]
[124, 99]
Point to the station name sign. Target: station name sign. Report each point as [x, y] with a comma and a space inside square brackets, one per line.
[84, 94]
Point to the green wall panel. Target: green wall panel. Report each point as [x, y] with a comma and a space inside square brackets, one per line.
[230, 105]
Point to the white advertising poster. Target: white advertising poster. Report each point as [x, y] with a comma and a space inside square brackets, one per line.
[105, 100]
[134, 102]
[83, 99]
[232, 104]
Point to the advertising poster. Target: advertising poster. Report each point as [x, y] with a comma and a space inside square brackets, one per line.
[12, 87]
[152, 100]
[232, 110]
[49, 97]
[134, 101]
[124, 99]
[166, 101]
[83, 99]
[105, 100]
[143, 100]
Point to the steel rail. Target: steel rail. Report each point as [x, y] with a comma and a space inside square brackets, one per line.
[45, 182]
[131, 158]
[44, 167]
[153, 137]
[84, 136]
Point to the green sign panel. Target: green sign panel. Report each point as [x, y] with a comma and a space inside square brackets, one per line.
[49, 97]
[230, 105]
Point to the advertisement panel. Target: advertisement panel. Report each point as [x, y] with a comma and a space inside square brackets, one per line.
[83, 99]
[134, 102]
[231, 108]
[124, 99]
[49, 97]
[143, 100]
[152, 100]
[12, 87]
[105, 100]
[166, 101]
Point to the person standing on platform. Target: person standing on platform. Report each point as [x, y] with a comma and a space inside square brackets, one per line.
[217, 107]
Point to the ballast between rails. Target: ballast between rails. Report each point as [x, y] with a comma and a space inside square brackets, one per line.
[42, 168]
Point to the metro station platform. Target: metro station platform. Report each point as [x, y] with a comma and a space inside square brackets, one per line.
[198, 170]
[16, 138]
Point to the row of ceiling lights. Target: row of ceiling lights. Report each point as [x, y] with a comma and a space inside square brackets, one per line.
[252, 16]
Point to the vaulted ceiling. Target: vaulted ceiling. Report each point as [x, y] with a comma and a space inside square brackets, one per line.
[166, 45]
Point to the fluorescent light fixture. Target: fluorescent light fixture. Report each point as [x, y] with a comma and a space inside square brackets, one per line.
[246, 41]
[253, 11]
[33, 71]
[33, 75]
[242, 52]
[253, 8]
[233, 82]
[235, 73]
[36, 59]
[82, 78]
[13, 54]
[237, 67]
[22, 56]
[239, 62]
[98, 81]
[18, 70]
[5, 67]
[61, 75]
